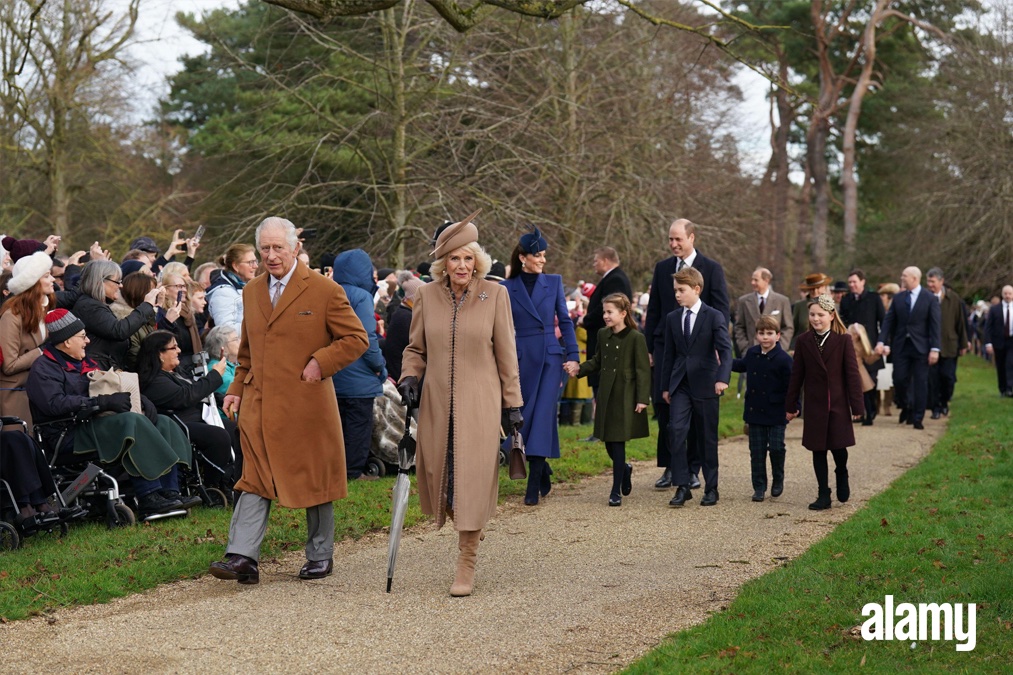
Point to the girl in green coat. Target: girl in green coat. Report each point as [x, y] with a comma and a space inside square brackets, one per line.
[623, 391]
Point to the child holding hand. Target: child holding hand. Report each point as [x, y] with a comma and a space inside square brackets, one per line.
[624, 388]
[825, 371]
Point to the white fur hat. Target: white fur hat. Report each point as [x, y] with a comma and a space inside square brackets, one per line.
[28, 270]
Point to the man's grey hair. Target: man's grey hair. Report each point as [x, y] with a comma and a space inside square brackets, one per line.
[291, 236]
[935, 273]
[94, 274]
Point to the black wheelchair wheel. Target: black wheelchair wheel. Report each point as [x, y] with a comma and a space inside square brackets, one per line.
[123, 516]
[375, 467]
[216, 499]
[504, 459]
[9, 538]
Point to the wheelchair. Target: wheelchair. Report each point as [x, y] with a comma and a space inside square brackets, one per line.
[14, 531]
[82, 479]
[192, 479]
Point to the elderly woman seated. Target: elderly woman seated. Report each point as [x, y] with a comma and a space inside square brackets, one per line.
[148, 446]
[172, 393]
[222, 344]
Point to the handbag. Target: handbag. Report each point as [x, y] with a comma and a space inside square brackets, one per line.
[516, 458]
[103, 382]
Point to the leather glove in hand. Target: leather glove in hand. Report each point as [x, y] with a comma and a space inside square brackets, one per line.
[512, 420]
[408, 387]
[117, 403]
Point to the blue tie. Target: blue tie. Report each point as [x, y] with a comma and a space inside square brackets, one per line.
[685, 324]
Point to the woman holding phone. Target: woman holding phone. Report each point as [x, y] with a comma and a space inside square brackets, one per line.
[176, 316]
[110, 336]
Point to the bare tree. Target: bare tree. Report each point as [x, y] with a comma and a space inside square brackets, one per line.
[68, 50]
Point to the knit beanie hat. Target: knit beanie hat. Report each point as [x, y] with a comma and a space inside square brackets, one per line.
[61, 325]
[20, 248]
[28, 271]
[411, 288]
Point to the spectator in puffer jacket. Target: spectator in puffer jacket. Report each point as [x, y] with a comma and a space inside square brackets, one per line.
[357, 385]
[225, 294]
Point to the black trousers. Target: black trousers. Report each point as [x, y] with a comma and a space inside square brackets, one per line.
[942, 380]
[218, 446]
[701, 415]
[1004, 364]
[24, 467]
[911, 381]
[694, 442]
[357, 431]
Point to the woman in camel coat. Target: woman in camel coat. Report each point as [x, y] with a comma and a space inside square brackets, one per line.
[462, 342]
[22, 330]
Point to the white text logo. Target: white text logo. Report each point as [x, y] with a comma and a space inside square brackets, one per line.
[917, 622]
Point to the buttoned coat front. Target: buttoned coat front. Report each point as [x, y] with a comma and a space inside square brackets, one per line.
[289, 428]
[540, 357]
[19, 349]
[624, 381]
[464, 354]
[766, 385]
[832, 392]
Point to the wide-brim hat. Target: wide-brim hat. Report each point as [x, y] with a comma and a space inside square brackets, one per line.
[815, 280]
[891, 288]
[28, 270]
[455, 236]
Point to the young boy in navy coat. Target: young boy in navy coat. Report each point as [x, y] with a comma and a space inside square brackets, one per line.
[698, 365]
[768, 372]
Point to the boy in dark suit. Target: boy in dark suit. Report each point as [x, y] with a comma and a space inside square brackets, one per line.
[697, 364]
[768, 372]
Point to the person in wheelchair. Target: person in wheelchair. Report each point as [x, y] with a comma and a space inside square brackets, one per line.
[23, 467]
[148, 446]
[174, 394]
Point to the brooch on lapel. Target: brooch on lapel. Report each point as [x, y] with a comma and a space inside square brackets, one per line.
[482, 296]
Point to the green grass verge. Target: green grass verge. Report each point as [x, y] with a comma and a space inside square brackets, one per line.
[93, 564]
[943, 533]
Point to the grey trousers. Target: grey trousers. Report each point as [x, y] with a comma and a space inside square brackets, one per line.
[249, 525]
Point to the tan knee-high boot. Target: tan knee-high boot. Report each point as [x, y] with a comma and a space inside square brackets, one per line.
[464, 579]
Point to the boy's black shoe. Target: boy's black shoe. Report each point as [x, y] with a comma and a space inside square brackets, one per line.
[665, 481]
[776, 489]
[694, 482]
[902, 418]
[758, 495]
[682, 495]
[710, 497]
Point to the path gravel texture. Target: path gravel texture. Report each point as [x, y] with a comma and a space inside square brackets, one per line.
[568, 586]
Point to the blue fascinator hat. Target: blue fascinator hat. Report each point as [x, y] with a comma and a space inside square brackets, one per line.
[533, 242]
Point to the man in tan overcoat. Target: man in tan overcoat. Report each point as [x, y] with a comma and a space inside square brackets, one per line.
[298, 330]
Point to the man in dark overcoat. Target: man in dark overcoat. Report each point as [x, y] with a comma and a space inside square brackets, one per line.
[865, 308]
[613, 280]
[661, 303]
[954, 342]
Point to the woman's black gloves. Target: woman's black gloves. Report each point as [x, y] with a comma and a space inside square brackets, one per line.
[512, 420]
[150, 411]
[408, 387]
[117, 403]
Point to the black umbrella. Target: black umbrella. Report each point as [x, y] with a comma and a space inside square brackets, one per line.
[402, 487]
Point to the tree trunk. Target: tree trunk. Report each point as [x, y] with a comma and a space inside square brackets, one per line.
[849, 184]
[782, 183]
[397, 203]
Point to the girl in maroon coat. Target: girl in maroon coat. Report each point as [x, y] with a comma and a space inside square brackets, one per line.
[826, 372]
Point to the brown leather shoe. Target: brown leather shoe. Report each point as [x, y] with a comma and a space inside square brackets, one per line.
[236, 568]
[317, 569]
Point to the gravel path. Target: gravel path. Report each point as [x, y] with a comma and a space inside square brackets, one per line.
[568, 586]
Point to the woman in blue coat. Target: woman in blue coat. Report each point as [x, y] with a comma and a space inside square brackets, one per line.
[538, 303]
